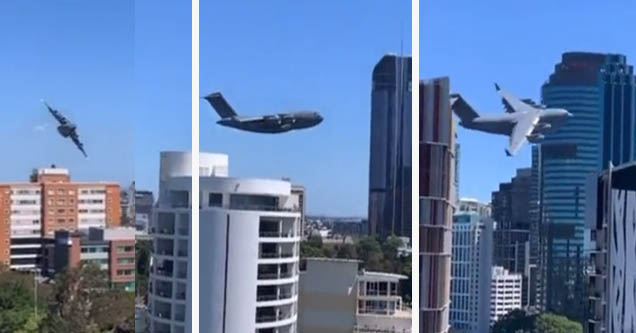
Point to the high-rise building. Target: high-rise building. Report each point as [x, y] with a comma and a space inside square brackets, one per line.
[299, 202]
[390, 156]
[251, 238]
[611, 216]
[170, 289]
[470, 273]
[511, 212]
[30, 211]
[437, 200]
[598, 90]
[505, 293]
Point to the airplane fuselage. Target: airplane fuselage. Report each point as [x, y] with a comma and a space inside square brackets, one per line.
[549, 119]
[66, 130]
[278, 123]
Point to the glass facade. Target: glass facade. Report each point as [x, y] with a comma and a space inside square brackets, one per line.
[390, 156]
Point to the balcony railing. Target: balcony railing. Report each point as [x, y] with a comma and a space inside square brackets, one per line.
[272, 318]
[165, 252]
[163, 272]
[164, 314]
[274, 297]
[265, 208]
[274, 276]
[276, 234]
[269, 255]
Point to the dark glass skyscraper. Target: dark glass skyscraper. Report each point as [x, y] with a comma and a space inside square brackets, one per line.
[390, 156]
[598, 89]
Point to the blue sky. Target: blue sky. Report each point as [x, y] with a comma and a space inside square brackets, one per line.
[77, 55]
[120, 70]
[516, 44]
[163, 85]
[276, 56]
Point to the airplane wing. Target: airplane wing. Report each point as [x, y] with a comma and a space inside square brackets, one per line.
[524, 126]
[77, 142]
[511, 103]
[58, 116]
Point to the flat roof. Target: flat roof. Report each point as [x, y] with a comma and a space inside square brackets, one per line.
[623, 176]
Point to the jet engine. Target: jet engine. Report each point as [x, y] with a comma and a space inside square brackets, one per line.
[542, 126]
[535, 138]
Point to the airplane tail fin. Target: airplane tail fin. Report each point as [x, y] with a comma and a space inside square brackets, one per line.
[462, 109]
[221, 106]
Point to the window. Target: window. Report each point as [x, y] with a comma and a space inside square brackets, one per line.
[179, 199]
[125, 260]
[215, 199]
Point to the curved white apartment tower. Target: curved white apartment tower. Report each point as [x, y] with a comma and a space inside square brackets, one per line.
[169, 295]
[249, 250]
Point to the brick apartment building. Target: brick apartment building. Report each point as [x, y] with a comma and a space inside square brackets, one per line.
[32, 211]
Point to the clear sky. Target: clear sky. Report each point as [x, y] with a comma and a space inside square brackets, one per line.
[163, 82]
[77, 55]
[120, 70]
[516, 44]
[276, 56]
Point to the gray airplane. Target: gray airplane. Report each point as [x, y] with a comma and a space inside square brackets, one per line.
[274, 123]
[524, 119]
[66, 128]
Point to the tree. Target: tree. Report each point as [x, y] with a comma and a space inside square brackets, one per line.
[142, 263]
[17, 303]
[75, 296]
[551, 323]
[346, 251]
[519, 321]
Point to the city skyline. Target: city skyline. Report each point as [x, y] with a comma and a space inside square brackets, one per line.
[514, 52]
[329, 72]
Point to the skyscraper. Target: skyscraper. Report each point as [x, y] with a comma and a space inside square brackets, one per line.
[471, 272]
[437, 199]
[510, 209]
[598, 89]
[390, 156]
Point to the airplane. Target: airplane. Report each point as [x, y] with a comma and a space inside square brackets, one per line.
[66, 128]
[524, 120]
[273, 123]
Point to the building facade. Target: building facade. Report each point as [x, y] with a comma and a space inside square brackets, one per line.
[336, 296]
[390, 156]
[598, 89]
[169, 289]
[470, 272]
[437, 203]
[252, 248]
[505, 293]
[611, 216]
[50, 201]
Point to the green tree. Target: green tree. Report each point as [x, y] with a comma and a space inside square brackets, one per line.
[17, 303]
[516, 321]
[142, 263]
[551, 323]
[75, 297]
[346, 251]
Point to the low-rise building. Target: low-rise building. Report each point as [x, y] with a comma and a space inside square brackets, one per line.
[336, 296]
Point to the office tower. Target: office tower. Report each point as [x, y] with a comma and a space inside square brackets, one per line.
[169, 289]
[470, 205]
[48, 202]
[337, 296]
[505, 293]
[611, 215]
[437, 197]
[470, 273]
[510, 210]
[390, 156]
[598, 90]
[251, 240]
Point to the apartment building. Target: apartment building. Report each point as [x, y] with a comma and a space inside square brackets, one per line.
[49, 201]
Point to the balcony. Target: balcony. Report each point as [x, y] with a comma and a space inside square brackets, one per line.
[163, 271]
[272, 318]
[276, 234]
[274, 276]
[274, 255]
